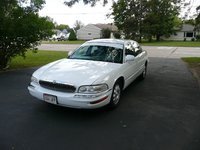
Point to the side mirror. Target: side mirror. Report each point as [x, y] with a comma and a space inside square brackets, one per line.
[137, 49]
[130, 58]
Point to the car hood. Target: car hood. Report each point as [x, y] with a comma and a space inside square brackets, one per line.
[76, 72]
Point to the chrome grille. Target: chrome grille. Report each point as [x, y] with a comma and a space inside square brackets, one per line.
[57, 86]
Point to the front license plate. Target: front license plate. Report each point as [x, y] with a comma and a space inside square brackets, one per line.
[50, 98]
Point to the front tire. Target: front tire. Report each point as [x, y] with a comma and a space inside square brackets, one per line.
[116, 95]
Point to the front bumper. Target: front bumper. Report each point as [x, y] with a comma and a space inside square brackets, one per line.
[73, 100]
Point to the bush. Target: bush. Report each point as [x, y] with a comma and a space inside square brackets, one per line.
[198, 37]
[193, 39]
[72, 36]
[21, 29]
[117, 35]
[106, 33]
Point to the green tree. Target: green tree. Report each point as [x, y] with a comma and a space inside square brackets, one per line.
[129, 16]
[160, 17]
[62, 27]
[21, 28]
[72, 36]
[197, 19]
[189, 21]
[117, 35]
[87, 2]
[78, 25]
[177, 22]
[146, 17]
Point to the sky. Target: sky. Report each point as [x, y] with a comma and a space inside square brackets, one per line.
[63, 14]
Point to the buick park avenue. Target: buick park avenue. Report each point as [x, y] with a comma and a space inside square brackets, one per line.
[92, 76]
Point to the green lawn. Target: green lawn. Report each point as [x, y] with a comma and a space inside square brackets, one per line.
[194, 65]
[63, 42]
[192, 60]
[36, 59]
[172, 43]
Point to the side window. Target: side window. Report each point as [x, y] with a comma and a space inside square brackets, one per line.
[82, 50]
[98, 51]
[129, 49]
[137, 48]
[94, 50]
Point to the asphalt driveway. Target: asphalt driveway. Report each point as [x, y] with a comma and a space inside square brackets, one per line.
[160, 113]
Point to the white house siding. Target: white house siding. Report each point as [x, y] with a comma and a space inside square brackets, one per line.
[179, 36]
[89, 32]
[186, 32]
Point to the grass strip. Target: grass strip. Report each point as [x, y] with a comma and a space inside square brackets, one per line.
[63, 42]
[194, 65]
[36, 59]
[172, 43]
[192, 60]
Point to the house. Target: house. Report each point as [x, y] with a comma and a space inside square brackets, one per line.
[186, 32]
[93, 31]
[60, 35]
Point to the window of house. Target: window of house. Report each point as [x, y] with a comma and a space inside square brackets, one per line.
[189, 34]
[89, 33]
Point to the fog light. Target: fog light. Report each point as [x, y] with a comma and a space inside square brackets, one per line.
[86, 96]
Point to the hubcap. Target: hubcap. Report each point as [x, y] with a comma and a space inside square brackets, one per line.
[116, 94]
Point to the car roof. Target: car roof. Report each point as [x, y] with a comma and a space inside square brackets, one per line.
[118, 43]
[114, 41]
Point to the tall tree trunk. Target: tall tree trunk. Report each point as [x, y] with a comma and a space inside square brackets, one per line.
[157, 37]
[150, 38]
[3, 63]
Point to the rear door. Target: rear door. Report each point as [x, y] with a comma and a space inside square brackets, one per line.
[140, 56]
[130, 72]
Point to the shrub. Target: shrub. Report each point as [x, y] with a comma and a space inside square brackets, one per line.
[72, 36]
[105, 33]
[21, 28]
[198, 37]
[117, 35]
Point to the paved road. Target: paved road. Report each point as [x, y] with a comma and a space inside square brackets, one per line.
[160, 113]
[172, 52]
[153, 51]
[58, 47]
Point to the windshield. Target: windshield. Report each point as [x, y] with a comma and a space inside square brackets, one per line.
[99, 53]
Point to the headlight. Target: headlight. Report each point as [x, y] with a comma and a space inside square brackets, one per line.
[34, 80]
[93, 89]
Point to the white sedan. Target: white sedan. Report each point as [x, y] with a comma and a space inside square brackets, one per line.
[92, 76]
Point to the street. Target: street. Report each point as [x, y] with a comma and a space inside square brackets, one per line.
[153, 51]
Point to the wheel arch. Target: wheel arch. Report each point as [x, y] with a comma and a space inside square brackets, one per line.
[121, 81]
[146, 63]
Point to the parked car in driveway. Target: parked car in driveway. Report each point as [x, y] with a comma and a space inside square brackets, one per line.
[93, 75]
